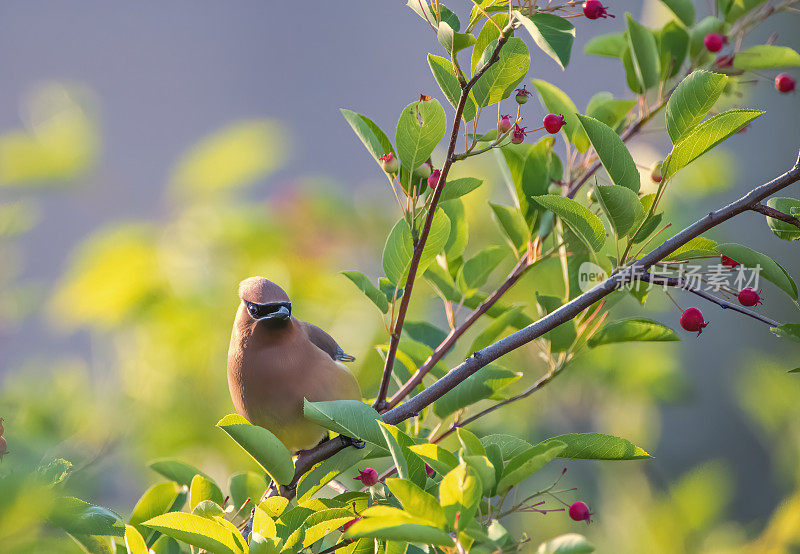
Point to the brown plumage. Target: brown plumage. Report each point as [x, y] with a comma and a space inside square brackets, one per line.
[276, 360]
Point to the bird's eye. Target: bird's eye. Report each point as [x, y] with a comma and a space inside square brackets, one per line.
[253, 309]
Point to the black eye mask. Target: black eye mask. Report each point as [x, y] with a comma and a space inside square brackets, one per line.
[274, 310]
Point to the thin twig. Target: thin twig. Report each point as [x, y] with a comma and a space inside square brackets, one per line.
[775, 214]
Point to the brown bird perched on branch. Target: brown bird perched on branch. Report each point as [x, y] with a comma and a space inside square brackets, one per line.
[276, 360]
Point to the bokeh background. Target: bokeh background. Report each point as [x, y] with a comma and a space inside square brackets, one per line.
[153, 154]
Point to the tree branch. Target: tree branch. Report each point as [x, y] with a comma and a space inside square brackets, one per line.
[775, 214]
[677, 282]
[394, 341]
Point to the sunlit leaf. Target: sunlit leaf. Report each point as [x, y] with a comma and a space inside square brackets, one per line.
[264, 447]
[632, 330]
[527, 463]
[644, 53]
[552, 33]
[767, 268]
[612, 152]
[595, 446]
[766, 56]
[789, 206]
[691, 101]
[499, 80]
[587, 225]
[351, 418]
[480, 385]
[571, 543]
[197, 531]
[399, 247]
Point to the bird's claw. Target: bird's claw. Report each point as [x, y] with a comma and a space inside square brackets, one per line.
[355, 443]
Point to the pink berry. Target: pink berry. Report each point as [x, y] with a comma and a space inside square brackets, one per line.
[518, 136]
[725, 60]
[504, 123]
[367, 476]
[553, 123]
[579, 511]
[389, 163]
[728, 262]
[433, 179]
[692, 320]
[715, 41]
[349, 524]
[655, 173]
[784, 83]
[749, 297]
[522, 95]
[429, 470]
[594, 9]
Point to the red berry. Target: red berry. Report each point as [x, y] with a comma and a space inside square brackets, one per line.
[518, 136]
[389, 163]
[367, 476]
[522, 95]
[553, 123]
[784, 83]
[580, 512]
[349, 524]
[594, 9]
[728, 262]
[3, 448]
[692, 320]
[715, 41]
[433, 179]
[749, 297]
[725, 60]
[429, 470]
[504, 123]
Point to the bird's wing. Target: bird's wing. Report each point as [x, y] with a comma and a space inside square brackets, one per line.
[325, 342]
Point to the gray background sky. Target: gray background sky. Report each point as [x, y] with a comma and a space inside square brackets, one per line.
[167, 73]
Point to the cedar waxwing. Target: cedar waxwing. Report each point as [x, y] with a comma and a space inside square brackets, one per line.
[275, 360]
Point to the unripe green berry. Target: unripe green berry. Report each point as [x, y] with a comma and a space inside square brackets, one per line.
[424, 170]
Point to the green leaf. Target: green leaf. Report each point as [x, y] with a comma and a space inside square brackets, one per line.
[527, 463]
[371, 291]
[397, 528]
[513, 225]
[475, 271]
[375, 140]
[611, 45]
[451, 40]
[622, 207]
[595, 446]
[698, 246]
[175, 470]
[571, 543]
[644, 53]
[632, 330]
[417, 502]
[78, 517]
[208, 509]
[156, 500]
[485, 470]
[482, 384]
[470, 443]
[441, 460]
[613, 153]
[322, 474]
[529, 167]
[134, 541]
[691, 101]
[460, 493]
[499, 81]
[496, 328]
[264, 447]
[769, 268]
[197, 531]
[683, 10]
[459, 228]
[426, 12]
[409, 465]
[673, 45]
[509, 445]
[203, 489]
[553, 34]
[248, 484]
[583, 222]
[399, 247]
[489, 33]
[442, 70]
[557, 102]
[562, 337]
[425, 333]
[166, 545]
[766, 56]
[705, 137]
[604, 107]
[789, 206]
[351, 418]
[421, 126]
[789, 331]
[459, 187]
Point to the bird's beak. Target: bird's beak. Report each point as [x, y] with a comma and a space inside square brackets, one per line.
[280, 314]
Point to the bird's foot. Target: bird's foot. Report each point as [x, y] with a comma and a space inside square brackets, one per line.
[355, 443]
